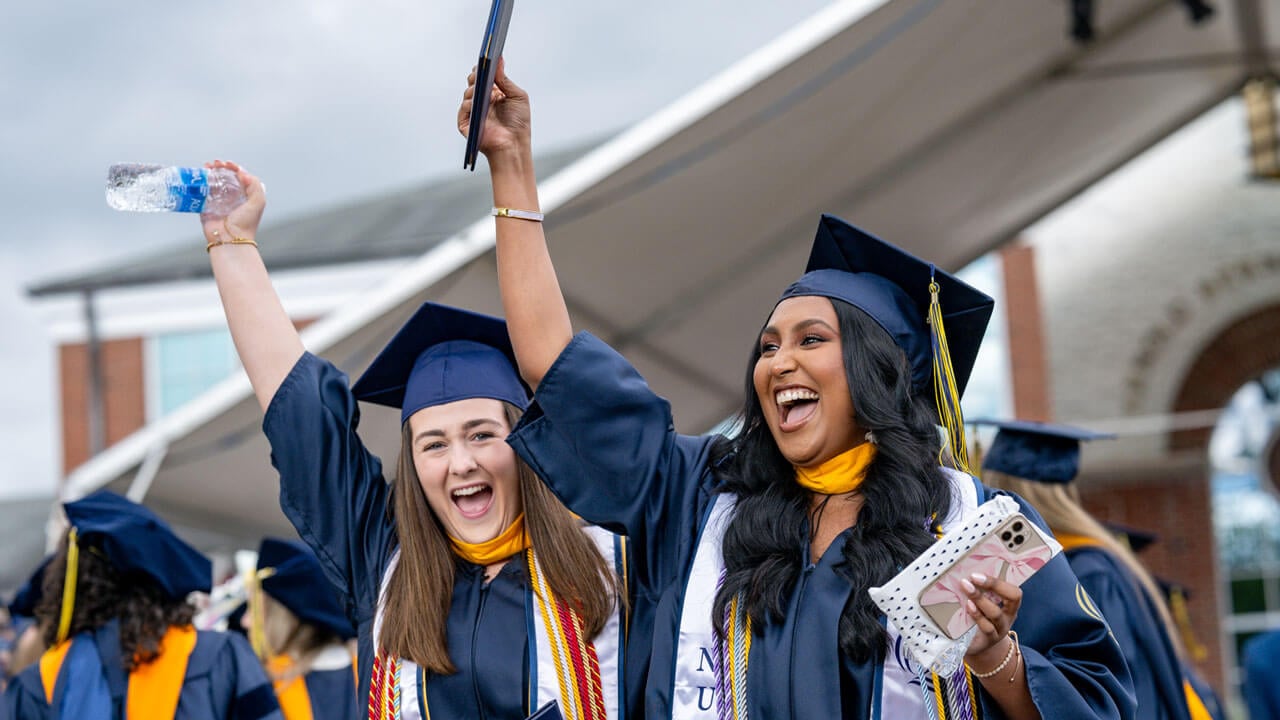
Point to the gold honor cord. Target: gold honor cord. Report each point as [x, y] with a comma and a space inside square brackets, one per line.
[946, 390]
[69, 585]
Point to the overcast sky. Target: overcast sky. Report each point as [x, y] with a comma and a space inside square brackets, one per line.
[327, 100]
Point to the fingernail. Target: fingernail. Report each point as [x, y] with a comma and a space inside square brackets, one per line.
[979, 578]
[968, 586]
[973, 609]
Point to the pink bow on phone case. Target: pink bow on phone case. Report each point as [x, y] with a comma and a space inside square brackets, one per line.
[992, 559]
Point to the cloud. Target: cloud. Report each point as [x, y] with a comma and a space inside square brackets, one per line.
[327, 100]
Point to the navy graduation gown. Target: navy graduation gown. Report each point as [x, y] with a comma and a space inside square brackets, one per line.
[1261, 691]
[333, 491]
[1206, 692]
[1135, 623]
[223, 681]
[606, 445]
[332, 694]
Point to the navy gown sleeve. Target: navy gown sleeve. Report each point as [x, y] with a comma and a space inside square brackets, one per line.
[333, 694]
[24, 698]
[607, 446]
[1157, 671]
[1261, 691]
[331, 487]
[225, 680]
[1074, 667]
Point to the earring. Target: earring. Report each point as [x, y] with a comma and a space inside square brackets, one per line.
[870, 437]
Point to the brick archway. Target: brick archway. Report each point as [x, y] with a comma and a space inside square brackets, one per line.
[1240, 353]
[1175, 501]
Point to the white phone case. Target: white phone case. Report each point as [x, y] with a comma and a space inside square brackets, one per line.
[899, 598]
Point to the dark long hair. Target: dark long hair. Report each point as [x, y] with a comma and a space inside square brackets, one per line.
[103, 594]
[904, 494]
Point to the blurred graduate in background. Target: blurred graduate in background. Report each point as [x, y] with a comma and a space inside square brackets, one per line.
[1039, 462]
[118, 627]
[28, 643]
[1261, 687]
[300, 631]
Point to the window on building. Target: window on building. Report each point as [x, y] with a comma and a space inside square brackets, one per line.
[989, 393]
[1247, 514]
[185, 364]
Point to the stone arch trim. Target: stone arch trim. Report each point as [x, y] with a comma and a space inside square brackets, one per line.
[1242, 351]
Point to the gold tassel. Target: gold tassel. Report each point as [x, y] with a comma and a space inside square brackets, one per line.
[69, 585]
[257, 612]
[1181, 616]
[976, 456]
[946, 391]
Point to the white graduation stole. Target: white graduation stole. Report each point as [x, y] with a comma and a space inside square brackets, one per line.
[545, 654]
[693, 694]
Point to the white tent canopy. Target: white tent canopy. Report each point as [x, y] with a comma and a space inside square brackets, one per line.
[945, 127]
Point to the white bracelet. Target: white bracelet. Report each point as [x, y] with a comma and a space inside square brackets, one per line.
[529, 215]
[1013, 649]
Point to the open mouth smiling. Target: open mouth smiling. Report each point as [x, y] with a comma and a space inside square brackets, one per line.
[796, 405]
[472, 501]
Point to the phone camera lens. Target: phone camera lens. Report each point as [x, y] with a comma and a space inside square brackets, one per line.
[1006, 535]
[1017, 539]
[1017, 527]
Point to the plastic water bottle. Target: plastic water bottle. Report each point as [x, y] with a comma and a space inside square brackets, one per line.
[155, 188]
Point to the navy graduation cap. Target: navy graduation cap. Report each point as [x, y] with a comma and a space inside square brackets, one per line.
[443, 354]
[293, 576]
[935, 318]
[136, 540]
[1037, 451]
[28, 596]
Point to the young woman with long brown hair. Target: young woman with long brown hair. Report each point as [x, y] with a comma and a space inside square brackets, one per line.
[475, 593]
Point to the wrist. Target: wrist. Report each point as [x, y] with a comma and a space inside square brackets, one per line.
[990, 656]
[513, 160]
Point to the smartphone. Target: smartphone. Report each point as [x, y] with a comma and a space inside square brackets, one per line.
[1013, 551]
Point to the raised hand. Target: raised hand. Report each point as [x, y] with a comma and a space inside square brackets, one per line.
[242, 222]
[506, 129]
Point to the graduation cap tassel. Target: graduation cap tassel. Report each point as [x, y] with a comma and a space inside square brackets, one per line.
[946, 390]
[1182, 617]
[976, 456]
[69, 585]
[257, 613]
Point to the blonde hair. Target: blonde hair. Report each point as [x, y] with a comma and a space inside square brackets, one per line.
[1059, 504]
[420, 590]
[286, 634]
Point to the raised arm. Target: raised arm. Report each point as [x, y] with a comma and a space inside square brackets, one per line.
[265, 338]
[537, 317]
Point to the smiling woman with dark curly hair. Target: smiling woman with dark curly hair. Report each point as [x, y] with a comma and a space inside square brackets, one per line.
[754, 553]
[117, 624]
